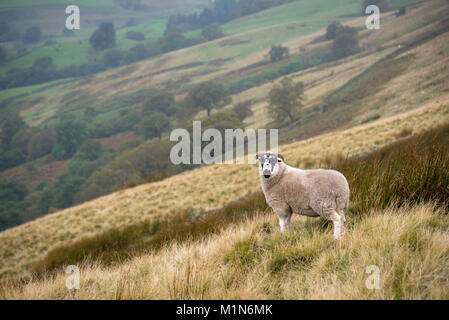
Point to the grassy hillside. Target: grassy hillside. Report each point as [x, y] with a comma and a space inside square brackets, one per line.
[188, 191]
[394, 87]
[253, 260]
[238, 253]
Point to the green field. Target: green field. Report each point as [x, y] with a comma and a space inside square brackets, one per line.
[305, 11]
[75, 50]
[8, 93]
[263, 29]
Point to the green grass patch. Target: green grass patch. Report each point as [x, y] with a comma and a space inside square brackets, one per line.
[305, 11]
[9, 93]
[275, 71]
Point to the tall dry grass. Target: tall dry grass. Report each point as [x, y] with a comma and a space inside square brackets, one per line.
[253, 260]
[411, 170]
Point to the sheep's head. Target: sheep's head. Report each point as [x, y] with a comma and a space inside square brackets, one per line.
[269, 164]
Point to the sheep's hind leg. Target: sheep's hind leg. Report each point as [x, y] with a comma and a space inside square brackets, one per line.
[339, 224]
[342, 205]
[327, 210]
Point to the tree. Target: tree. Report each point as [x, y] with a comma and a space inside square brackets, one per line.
[345, 43]
[9, 127]
[153, 125]
[174, 40]
[278, 53]
[65, 189]
[104, 37]
[11, 158]
[92, 149]
[113, 57]
[402, 11]
[6, 33]
[22, 139]
[41, 144]
[243, 109]
[285, 99]
[161, 101]
[3, 55]
[138, 52]
[70, 135]
[332, 30]
[43, 66]
[32, 35]
[4, 28]
[12, 195]
[208, 95]
[212, 31]
[45, 201]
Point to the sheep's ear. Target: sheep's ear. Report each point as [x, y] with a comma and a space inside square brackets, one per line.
[257, 157]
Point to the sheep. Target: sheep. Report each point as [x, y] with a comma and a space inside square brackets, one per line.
[310, 193]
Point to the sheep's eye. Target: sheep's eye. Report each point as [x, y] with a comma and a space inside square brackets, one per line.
[279, 160]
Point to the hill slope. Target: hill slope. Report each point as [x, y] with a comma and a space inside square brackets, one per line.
[193, 190]
[414, 98]
[252, 261]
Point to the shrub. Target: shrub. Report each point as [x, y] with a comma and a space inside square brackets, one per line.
[402, 11]
[41, 143]
[32, 35]
[153, 125]
[113, 57]
[3, 55]
[332, 30]
[92, 149]
[243, 109]
[12, 206]
[345, 43]
[70, 136]
[104, 37]
[160, 101]
[278, 53]
[212, 31]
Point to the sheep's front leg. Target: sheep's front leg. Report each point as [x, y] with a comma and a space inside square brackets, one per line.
[284, 223]
[284, 216]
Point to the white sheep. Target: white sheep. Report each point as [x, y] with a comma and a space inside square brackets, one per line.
[310, 193]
